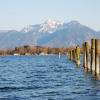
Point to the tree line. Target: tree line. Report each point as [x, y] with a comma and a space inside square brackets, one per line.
[33, 50]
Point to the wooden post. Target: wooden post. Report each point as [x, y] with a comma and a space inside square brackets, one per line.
[83, 55]
[74, 55]
[78, 55]
[71, 55]
[87, 56]
[97, 52]
[93, 56]
[84, 58]
[68, 54]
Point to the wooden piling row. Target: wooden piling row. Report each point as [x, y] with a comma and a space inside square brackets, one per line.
[91, 60]
[74, 55]
[95, 53]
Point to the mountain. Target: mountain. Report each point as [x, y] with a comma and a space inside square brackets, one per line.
[51, 33]
[70, 34]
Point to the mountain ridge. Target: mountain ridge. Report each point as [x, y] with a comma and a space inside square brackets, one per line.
[51, 33]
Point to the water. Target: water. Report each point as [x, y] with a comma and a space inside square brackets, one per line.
[45, 78]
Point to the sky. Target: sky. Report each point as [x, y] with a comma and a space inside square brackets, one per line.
[16, 14]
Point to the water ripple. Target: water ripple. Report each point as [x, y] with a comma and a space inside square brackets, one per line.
[45, 78]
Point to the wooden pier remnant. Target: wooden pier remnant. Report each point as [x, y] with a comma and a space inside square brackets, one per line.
[74, 55]
[93, 56]
[70, 54]
[97, 54]
[78, 55]
[84, 55]
[87, 56]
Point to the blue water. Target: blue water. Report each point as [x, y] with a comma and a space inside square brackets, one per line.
[45, 78]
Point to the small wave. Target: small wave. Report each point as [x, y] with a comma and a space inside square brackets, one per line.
[19, 88]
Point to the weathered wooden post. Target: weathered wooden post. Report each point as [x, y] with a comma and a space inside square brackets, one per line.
[74, 55]
[78, 55]
[93, 56]
[97, 53]
[84, 55]
[70, 55]
[87, 56]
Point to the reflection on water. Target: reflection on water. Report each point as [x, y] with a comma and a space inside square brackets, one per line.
[45, 78]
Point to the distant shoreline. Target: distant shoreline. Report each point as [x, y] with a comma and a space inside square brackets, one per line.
[28, 50]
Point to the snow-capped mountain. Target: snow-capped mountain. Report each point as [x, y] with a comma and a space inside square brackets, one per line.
[52, 33]
[50, 26]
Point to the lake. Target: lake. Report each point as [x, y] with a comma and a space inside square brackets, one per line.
[45, 78]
